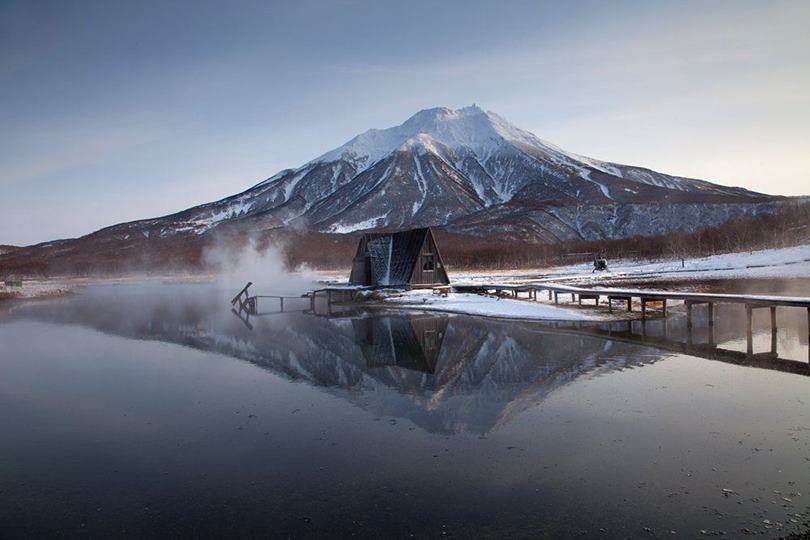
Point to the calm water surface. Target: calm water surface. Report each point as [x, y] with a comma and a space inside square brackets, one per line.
[152, 410]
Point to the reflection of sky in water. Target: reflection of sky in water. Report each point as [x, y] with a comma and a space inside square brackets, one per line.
[509, 427]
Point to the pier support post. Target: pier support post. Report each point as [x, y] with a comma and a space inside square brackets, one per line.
[808, 334]
[281, 302]
[643, 309]
[749, 333]
[664, 307]
[688, 314]
[556, 297]
[711, 313]
[629, 304]
[773, 330]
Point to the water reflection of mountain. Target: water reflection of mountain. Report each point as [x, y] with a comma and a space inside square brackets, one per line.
[444, 373]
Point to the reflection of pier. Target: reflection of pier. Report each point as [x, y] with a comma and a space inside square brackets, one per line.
[626, 333]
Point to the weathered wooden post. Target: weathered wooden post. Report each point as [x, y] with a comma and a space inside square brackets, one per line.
[664, 306]
[556, 297]
[629, 303]
[689, 314]
[281, 302]
[749, 313]
[643, 309]
[773, 330]
[710, 305]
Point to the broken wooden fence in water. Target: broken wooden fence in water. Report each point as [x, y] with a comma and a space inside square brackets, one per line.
[244, 303]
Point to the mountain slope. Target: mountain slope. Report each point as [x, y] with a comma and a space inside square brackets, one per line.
[439, 168]
[464, 170]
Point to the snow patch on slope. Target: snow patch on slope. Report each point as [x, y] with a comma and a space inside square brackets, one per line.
[370, 223]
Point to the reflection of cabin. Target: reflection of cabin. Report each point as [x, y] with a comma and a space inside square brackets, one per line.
[408, 342]
[407, 258]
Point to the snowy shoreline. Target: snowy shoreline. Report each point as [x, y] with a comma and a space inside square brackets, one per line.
[494, 307]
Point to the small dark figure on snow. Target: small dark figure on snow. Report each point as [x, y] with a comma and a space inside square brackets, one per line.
[599, 263]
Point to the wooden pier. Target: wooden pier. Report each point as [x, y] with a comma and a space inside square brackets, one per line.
[246, 305]
[647, 297]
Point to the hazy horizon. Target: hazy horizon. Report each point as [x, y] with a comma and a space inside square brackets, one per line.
[117, 111]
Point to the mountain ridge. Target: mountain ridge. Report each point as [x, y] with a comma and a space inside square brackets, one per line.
[464, 170]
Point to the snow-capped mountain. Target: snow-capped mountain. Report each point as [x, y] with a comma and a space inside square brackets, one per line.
[469, 170]
[466, 170]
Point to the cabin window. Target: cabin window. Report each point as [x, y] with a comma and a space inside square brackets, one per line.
[427, 264]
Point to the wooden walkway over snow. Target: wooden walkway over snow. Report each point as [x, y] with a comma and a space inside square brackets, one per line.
[646, 297]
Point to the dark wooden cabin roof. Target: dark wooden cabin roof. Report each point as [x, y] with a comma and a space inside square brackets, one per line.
[393, 256]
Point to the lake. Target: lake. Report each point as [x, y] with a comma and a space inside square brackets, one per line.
[152, 410]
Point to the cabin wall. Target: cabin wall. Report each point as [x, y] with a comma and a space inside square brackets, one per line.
[361, 271]
[361, 265]
[429, 268]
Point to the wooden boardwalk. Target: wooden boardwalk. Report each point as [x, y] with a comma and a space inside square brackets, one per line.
[645, 297]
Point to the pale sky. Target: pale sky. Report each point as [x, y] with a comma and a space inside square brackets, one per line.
[112, 111]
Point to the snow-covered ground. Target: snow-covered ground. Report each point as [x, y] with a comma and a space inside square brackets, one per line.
[784, 263]
[491, 306]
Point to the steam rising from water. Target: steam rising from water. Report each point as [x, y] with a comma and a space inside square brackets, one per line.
[238, 263]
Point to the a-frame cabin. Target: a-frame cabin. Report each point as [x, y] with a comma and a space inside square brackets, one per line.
[400, 259]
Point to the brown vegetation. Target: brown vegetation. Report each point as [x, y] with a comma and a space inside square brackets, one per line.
[787, 228]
